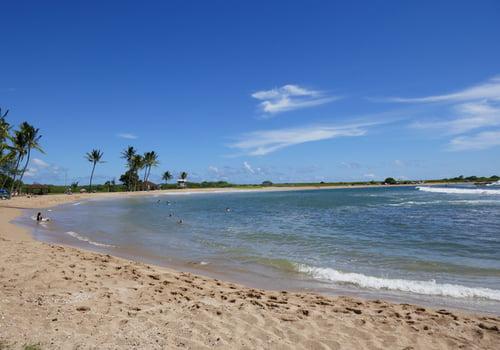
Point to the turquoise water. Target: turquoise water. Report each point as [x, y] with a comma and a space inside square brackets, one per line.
[438, 246]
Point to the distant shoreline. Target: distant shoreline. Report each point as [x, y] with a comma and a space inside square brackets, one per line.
[50, 200]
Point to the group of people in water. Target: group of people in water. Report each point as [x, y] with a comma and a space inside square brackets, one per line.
[40, 218]
[171, 214]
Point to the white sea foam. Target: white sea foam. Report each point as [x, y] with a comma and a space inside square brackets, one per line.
[77, 203]
[411, 286]
[451, 190]
[461, 201]
[88, 240]
[497, 183]
[413, 203]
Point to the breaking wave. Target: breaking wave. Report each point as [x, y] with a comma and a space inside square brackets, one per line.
[411, 286]
[459, 190]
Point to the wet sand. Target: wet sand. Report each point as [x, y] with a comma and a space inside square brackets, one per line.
[64, 298]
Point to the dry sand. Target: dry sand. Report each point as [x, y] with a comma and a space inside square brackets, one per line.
[65, 298]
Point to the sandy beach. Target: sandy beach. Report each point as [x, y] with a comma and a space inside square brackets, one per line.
[65, 298]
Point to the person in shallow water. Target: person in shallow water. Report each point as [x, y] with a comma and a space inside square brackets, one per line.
[39, 217]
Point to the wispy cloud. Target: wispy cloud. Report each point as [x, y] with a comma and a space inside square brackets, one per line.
[489, 90]
[468, 116]
[248, 167]
[482, 140]
[126, 136]
[263, 142]
[476, 108]
[40, 163]
[289, 98]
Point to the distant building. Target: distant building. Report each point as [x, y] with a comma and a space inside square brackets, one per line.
[36, 189]
[148, 186]
[181, 183]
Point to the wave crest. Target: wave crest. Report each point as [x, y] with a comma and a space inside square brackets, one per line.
[411, 286]
[458, 190]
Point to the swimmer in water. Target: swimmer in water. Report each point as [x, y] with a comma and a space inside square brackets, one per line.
[228, 209]
[180, 221]
[39, 217]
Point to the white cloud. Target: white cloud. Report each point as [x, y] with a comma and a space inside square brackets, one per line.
[31, 172]
[127, 136]
[213, 169]
[40, 163]
[248, 167]
[370, 176]
[489, 90]
[263, 142]
[470, 116]
[473, 108]
[482, 140]
[290, 97]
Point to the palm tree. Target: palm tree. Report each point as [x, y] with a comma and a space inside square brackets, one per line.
[94, 157]
[128, 154]
[31, 139]
[167, 176]
[4, 127]
[7, 154]
[150, 160]
[137, 164]
[19, 147]
[184, 175]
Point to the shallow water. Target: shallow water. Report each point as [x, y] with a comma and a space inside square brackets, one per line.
[437, 246]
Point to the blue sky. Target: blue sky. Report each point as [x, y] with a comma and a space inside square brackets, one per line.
[257, 90]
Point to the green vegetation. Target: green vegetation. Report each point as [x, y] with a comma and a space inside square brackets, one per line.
[390, 181]
[16, 148]
[32, 347]
[167, 176]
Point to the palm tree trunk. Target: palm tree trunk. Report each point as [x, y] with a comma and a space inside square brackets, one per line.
[149, 173]
[91, 176]
[129, 185]
[24, 169]
[15, 173]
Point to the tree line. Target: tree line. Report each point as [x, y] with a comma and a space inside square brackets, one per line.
[16, 146]
[135, 163]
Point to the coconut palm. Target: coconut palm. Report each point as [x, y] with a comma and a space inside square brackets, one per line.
[167, 175]
[31, 142]
[19, 148]
[128, 154]
[137, 164]
[7, 154]
[184, 175]
[95, 156]
[150, 160]
[4, 127]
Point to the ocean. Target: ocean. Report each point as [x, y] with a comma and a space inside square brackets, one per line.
[437, 246]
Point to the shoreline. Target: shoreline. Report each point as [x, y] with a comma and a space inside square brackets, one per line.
[52, 282]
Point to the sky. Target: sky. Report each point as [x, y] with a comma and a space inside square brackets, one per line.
[250, 91]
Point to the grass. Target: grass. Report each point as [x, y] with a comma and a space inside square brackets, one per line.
[32, 347]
